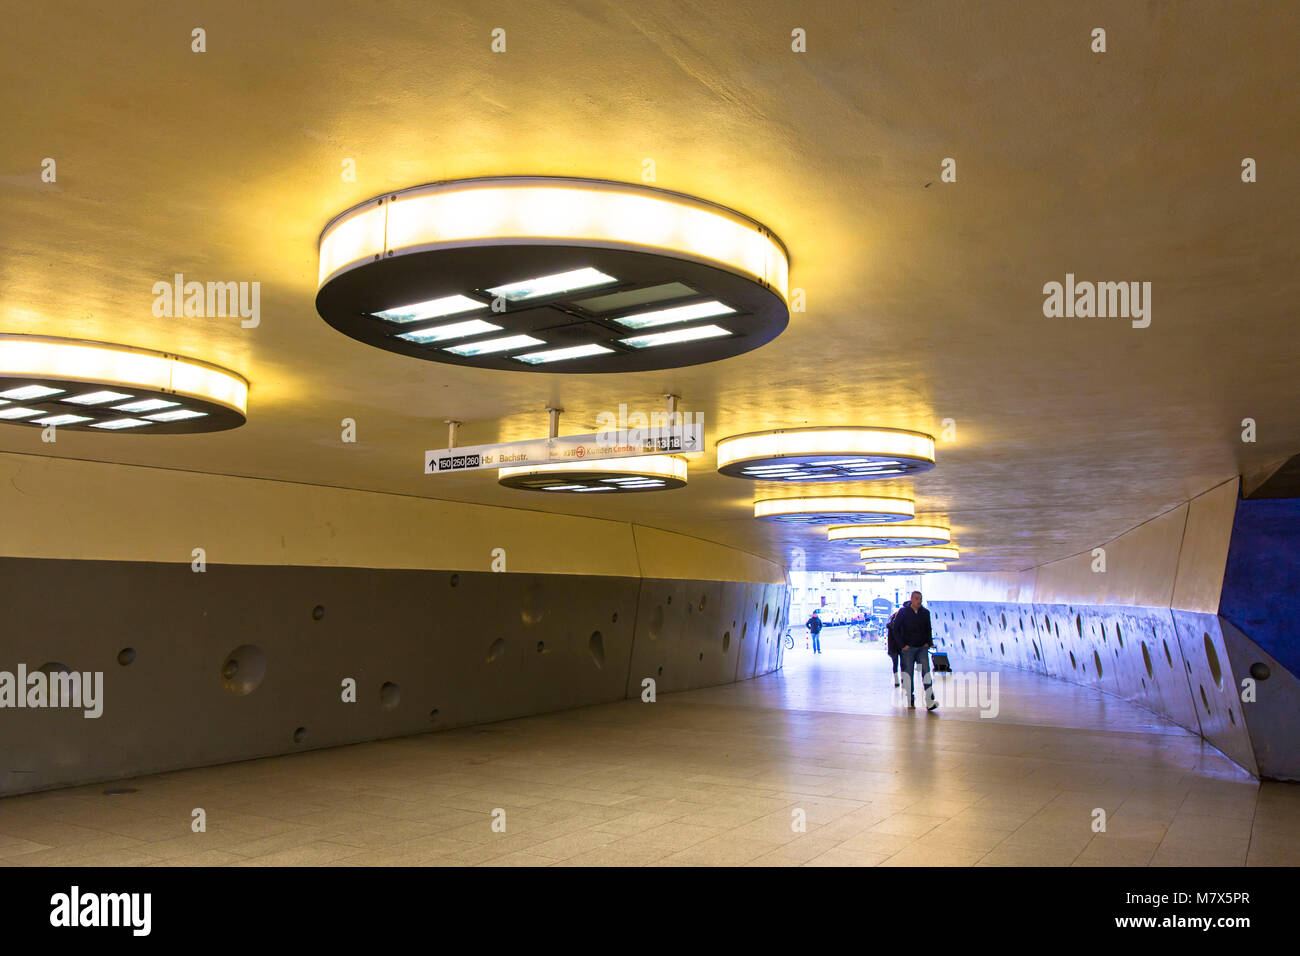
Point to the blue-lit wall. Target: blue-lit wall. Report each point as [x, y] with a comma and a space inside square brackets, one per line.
[1261, 584]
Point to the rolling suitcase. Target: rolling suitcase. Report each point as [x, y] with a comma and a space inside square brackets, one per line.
[939, 662]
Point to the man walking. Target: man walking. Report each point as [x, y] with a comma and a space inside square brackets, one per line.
[815, 628]
[915, 640]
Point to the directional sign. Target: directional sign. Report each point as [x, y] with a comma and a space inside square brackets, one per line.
[628, 443]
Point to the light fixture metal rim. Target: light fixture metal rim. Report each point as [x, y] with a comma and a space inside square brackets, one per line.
[116, 347]
[824, 428]
[443, 185]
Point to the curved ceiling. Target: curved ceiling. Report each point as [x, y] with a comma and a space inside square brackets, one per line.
[924, 298]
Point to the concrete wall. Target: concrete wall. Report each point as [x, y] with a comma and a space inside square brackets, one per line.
[307, 586]
[1146, 629]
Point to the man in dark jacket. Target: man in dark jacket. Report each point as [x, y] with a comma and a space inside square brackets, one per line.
[915, 638]
[815, 628]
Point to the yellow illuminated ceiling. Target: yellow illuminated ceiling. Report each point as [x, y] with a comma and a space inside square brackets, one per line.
[923, 298]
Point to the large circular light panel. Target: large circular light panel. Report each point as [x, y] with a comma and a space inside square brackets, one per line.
[875, 536]
[906, 555]
[825, 454]
[903, 568]
[608, 476]
[97, 387]
[836, 509]
[548, 274]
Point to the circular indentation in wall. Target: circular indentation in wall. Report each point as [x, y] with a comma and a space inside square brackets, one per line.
[1022, 622]
[1004, 620]
[496, 649]
[1204, 700]
[299, 735]
[1096, 662]
[1058, 630]
[1146, 659]
[1260, 671]
[656, 627]
[1046, 622]
[1232, 717]
[1103, 632]
[1074, 665]
[766, 607]
[1003, 648]
[126, 656]
[614, 619]
[50, 668]
[1212, 658]
[703, 600]
[726, 641]
[596, 648]
[1188, 665]
[977, 628]
[1144, 683]
[963, 643]
[454, 580]
[1119, 635]
[318, 612]
[433, 714]
[390, 695]
[661, 672]
[744, 630]
[1037, 656]
[1169, 657]
[541, 647]
[669, 600]
[243, 669]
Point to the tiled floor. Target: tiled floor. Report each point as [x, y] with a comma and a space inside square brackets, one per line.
[723, 776]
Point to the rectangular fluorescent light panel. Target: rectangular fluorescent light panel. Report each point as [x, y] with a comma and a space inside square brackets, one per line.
[432, 309]
[28, 392]
[121, 423]
[12, 413]
[615, 301]
[559, 355]
[676, 336]
[552, 285]
[63, 419]
[146, 405]
[98, 398]
[179, 415]
[456, 330]
[680, 313]
[502, 344]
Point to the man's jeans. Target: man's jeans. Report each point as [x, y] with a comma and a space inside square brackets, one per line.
[911, 656]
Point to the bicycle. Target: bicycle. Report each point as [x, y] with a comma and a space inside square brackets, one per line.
[789, 639]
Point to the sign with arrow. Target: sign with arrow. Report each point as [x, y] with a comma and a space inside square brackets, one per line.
[627, 443]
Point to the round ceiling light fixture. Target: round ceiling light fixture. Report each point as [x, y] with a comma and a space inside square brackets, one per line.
[825, 454]
[907, 555]
[552, 274]
[98, 387]
[835, 509]
[608, 476]
[919, 568]
[888, 536]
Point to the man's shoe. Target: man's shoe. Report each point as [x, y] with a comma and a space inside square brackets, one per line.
[911, 705]
[934, 706]
[895, 682]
